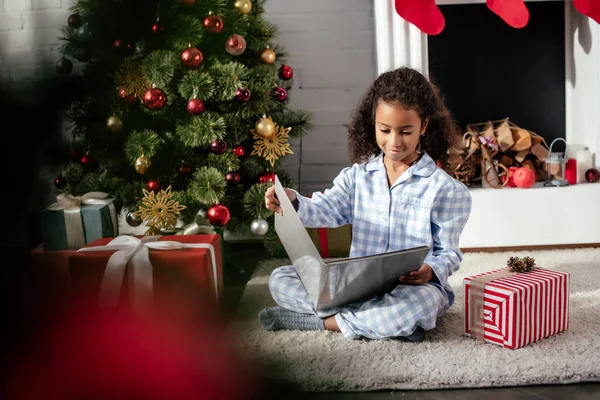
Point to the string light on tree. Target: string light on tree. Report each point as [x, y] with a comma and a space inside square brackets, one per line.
[243, 6]
[213, 23]
[235, 45]
[218, 215]
[114, 123]
[286, 72]
[191, 58]
[155, 99]
[268, 56]
[157, 27]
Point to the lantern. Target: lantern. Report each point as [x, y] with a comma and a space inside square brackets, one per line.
[556, 164]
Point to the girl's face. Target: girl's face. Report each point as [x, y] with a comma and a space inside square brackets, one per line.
[398, 131]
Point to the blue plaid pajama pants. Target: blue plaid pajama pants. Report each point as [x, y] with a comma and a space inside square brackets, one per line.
[392, 315]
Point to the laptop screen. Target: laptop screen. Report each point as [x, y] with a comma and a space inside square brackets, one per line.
[297, 243]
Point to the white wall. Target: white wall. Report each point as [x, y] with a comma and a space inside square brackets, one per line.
[332, 51]
[330, 45]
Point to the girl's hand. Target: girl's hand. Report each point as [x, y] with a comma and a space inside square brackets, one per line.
[422, 275]
[271, 201]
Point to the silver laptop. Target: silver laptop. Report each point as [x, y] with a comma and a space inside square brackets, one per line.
[344, 281]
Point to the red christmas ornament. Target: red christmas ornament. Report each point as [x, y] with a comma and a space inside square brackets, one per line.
[286, 72]
[511, 181]
[60, 182]
[592, 175]
[233, 178]
[513, 12]
[280, 94]
[184, 169]
[157, 27]
[123, 47]
[235, 45]
[239, 150]
[117, 44]
[87, 162]
[242, 95]
[74, 21]
[191, 57]
[213, 23]
[524, 177]
[590, 8]
[155, 99]
[153, 185]
[76, 155]
[218, 146]
[267, 177]
[218, 215]
[195, 106]
[127, 98]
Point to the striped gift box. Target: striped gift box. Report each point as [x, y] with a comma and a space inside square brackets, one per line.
[522, 308]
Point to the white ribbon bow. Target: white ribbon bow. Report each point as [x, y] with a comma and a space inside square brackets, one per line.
[135, 252]
[72, 213]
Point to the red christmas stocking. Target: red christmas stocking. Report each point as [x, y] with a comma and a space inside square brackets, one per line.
[590, 8]
[424, 14]
[513, 12]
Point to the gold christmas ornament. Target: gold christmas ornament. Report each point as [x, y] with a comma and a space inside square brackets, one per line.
[159, 211]
[268, 56]
[114, 123]
[243, 6]
[142, 164]
[274, 147]
[264, 127]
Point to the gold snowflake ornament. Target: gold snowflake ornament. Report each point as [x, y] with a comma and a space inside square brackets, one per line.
[129, 77]
[274, 147]
[159, 211]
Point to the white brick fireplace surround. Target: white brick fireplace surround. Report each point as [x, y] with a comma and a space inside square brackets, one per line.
[538, 216]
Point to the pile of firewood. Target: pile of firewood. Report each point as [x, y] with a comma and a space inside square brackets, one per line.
[506, 144]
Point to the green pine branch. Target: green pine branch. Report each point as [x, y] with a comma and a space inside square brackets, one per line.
[196, 84]
[202, 130]
[208, 186]
[186, 31]
[159, 66]
[141, 142]
[228, 78]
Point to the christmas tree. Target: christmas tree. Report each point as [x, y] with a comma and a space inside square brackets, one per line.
[183, 93]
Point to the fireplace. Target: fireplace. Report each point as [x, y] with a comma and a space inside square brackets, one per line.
[537, 216]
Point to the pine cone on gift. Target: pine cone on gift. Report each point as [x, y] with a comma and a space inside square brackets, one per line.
[526, 264]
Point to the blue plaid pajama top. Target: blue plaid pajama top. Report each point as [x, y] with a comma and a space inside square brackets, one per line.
[425, 206]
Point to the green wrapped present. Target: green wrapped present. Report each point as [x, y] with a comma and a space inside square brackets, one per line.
[74, 221]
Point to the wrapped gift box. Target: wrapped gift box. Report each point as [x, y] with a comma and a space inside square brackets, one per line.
[332, 242]
[184, 278]
[49, 277]
[518, 309]
[59, 232]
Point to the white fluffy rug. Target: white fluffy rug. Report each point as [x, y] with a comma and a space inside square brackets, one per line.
[326, 361]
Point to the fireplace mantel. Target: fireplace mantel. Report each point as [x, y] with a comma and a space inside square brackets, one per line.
[493, 222]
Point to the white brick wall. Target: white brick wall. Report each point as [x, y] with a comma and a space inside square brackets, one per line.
[330, 45]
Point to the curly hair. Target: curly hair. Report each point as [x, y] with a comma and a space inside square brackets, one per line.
[413, 91]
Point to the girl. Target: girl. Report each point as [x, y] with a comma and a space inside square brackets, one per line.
[395, 197]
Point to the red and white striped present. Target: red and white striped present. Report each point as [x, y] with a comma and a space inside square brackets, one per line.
[518, 309]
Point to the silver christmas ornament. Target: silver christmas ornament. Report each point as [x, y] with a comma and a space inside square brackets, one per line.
[132, 220]
[259, 226]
